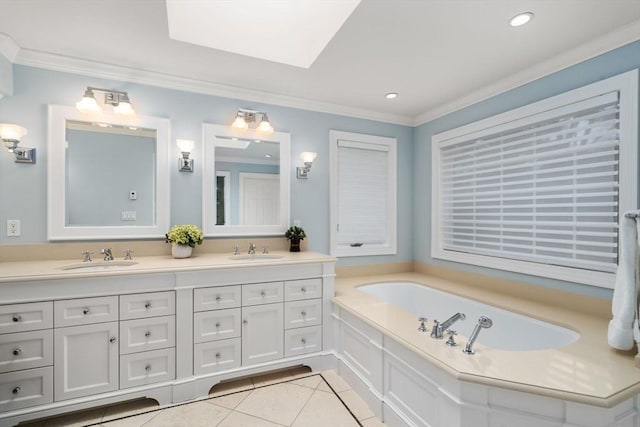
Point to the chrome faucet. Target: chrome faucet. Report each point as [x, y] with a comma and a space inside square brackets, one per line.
[108, 256]
[127, 254]
[483, 322]
[87, 256]
[252, 249]
[439, 328]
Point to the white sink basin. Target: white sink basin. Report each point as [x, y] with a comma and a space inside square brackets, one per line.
[98, 266]
[255, 257]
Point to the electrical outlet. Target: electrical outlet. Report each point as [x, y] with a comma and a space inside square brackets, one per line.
[13, 227]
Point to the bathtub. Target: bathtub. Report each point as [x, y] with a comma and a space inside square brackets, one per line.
[510, 331]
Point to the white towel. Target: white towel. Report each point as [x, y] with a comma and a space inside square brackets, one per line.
[625, 294]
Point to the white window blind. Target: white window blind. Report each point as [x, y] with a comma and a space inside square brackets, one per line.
[362, 193]
[542, 189]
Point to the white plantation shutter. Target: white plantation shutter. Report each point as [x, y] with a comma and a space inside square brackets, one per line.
[543, 188]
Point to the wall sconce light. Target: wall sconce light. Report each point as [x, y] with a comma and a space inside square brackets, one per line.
[185, 164]
[307, 157]
[116, 98]
[244, 117]
[11, 135]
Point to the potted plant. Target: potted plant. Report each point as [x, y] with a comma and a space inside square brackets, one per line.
[295, 234]
[183, 239]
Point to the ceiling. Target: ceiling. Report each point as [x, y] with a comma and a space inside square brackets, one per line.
[438, 55]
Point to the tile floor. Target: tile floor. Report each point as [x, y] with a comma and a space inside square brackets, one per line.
[292, 398]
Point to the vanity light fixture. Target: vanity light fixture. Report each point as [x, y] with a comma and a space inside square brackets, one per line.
[11, 134]
[116, 98]
[521, 19]
[185, 164]
[307, 157]
[244, 117]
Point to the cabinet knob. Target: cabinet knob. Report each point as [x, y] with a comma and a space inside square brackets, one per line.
[303, 289]
[147, 368]
[303, 313]
[17, 351]
[17, 318]
[147, 334]
[245, 321]
[16, 390]
[263, 294]
[86, 311]
[217, 324]
[218, 355]
[218, 298]
[303, 340]
[147, 305]
[112, 339]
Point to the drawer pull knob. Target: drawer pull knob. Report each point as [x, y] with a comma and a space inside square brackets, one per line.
[303, 289]
[245, 321]
[303, 340]
[218, 355]
[16, 390]
[218, 298]
[263, 294]
[217, 324]
[17, 351]
[147, 305]
[147, 368]
[112, 340]
[147, 334]
[17, 318]
[303, 313]
[86, 311]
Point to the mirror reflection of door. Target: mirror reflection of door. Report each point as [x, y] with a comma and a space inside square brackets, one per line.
[260, 198]
[223, 202]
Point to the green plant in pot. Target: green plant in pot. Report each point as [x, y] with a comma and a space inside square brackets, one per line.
[183, 239]
[295, 234]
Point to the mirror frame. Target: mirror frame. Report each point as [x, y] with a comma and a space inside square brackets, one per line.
[57, 229]
[210, 132]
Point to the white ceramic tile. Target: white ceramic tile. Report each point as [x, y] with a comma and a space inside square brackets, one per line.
[356, 404]
[190, 415]
[335, 381]
[324, 409]
[230, 401]
[278, 403]
[238, 419]
[129, 408]
[324, 387]
[311, 382]
[78, 419]
[231, 387]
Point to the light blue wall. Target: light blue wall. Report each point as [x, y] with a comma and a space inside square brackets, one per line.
[23, 187]
[607, 65]
[6, 76]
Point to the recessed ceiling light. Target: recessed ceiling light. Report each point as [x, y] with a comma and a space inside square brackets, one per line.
[391, 95]
[521, 19]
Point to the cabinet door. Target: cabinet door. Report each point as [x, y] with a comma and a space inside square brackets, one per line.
[262, 333]
[85, 360]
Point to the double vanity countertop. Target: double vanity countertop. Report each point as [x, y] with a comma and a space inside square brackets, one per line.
[22, 271]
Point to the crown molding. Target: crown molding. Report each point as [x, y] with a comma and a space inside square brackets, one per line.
[85, 67]
[591, 49]
[8, 47]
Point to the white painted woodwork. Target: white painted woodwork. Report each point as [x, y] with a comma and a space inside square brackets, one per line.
[262, 293]
[298, 314]
[216, 298]
[302, 289]
[302, 340]
[24, 350]
[26, 317]
[86, 360]
[216, 325]
[83, 311]
[259, 195]
[262, 333]
[147, 367]
[215, 356]
[149, 304]
[26, 388]
[147, 334]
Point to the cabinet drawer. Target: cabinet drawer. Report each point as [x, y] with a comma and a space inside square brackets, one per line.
[147, 368]
[262, 293]
[147, 334]
[151, 304]
[26, 388]
[216, 325]
[302, 313]
[302, 289]
[85, 311]
[25, 350]
[216, 356]
[26, 317]
[216, 298]
[302, 340]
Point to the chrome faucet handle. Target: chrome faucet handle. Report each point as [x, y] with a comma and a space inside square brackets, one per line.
[451, 342]
[127, 254]
[236, 250]
[422, 327]
[265, 249]
[252, 249]
[436, 330]
[87, 256]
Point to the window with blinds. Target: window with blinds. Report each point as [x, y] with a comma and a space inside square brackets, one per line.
[363, 194]
[543, 189]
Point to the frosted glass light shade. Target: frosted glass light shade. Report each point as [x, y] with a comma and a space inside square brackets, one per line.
[240, 123]
[308, 156]
[185, 145]
[11, 132]
[124, 108]
[88, 103]
[265, 127]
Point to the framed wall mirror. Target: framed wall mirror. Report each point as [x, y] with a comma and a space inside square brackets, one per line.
[246, 182]
[108, 176]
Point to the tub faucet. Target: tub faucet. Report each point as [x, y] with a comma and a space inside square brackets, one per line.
[108, 256]
[252, 249]
[438, 328]
[483, 322]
